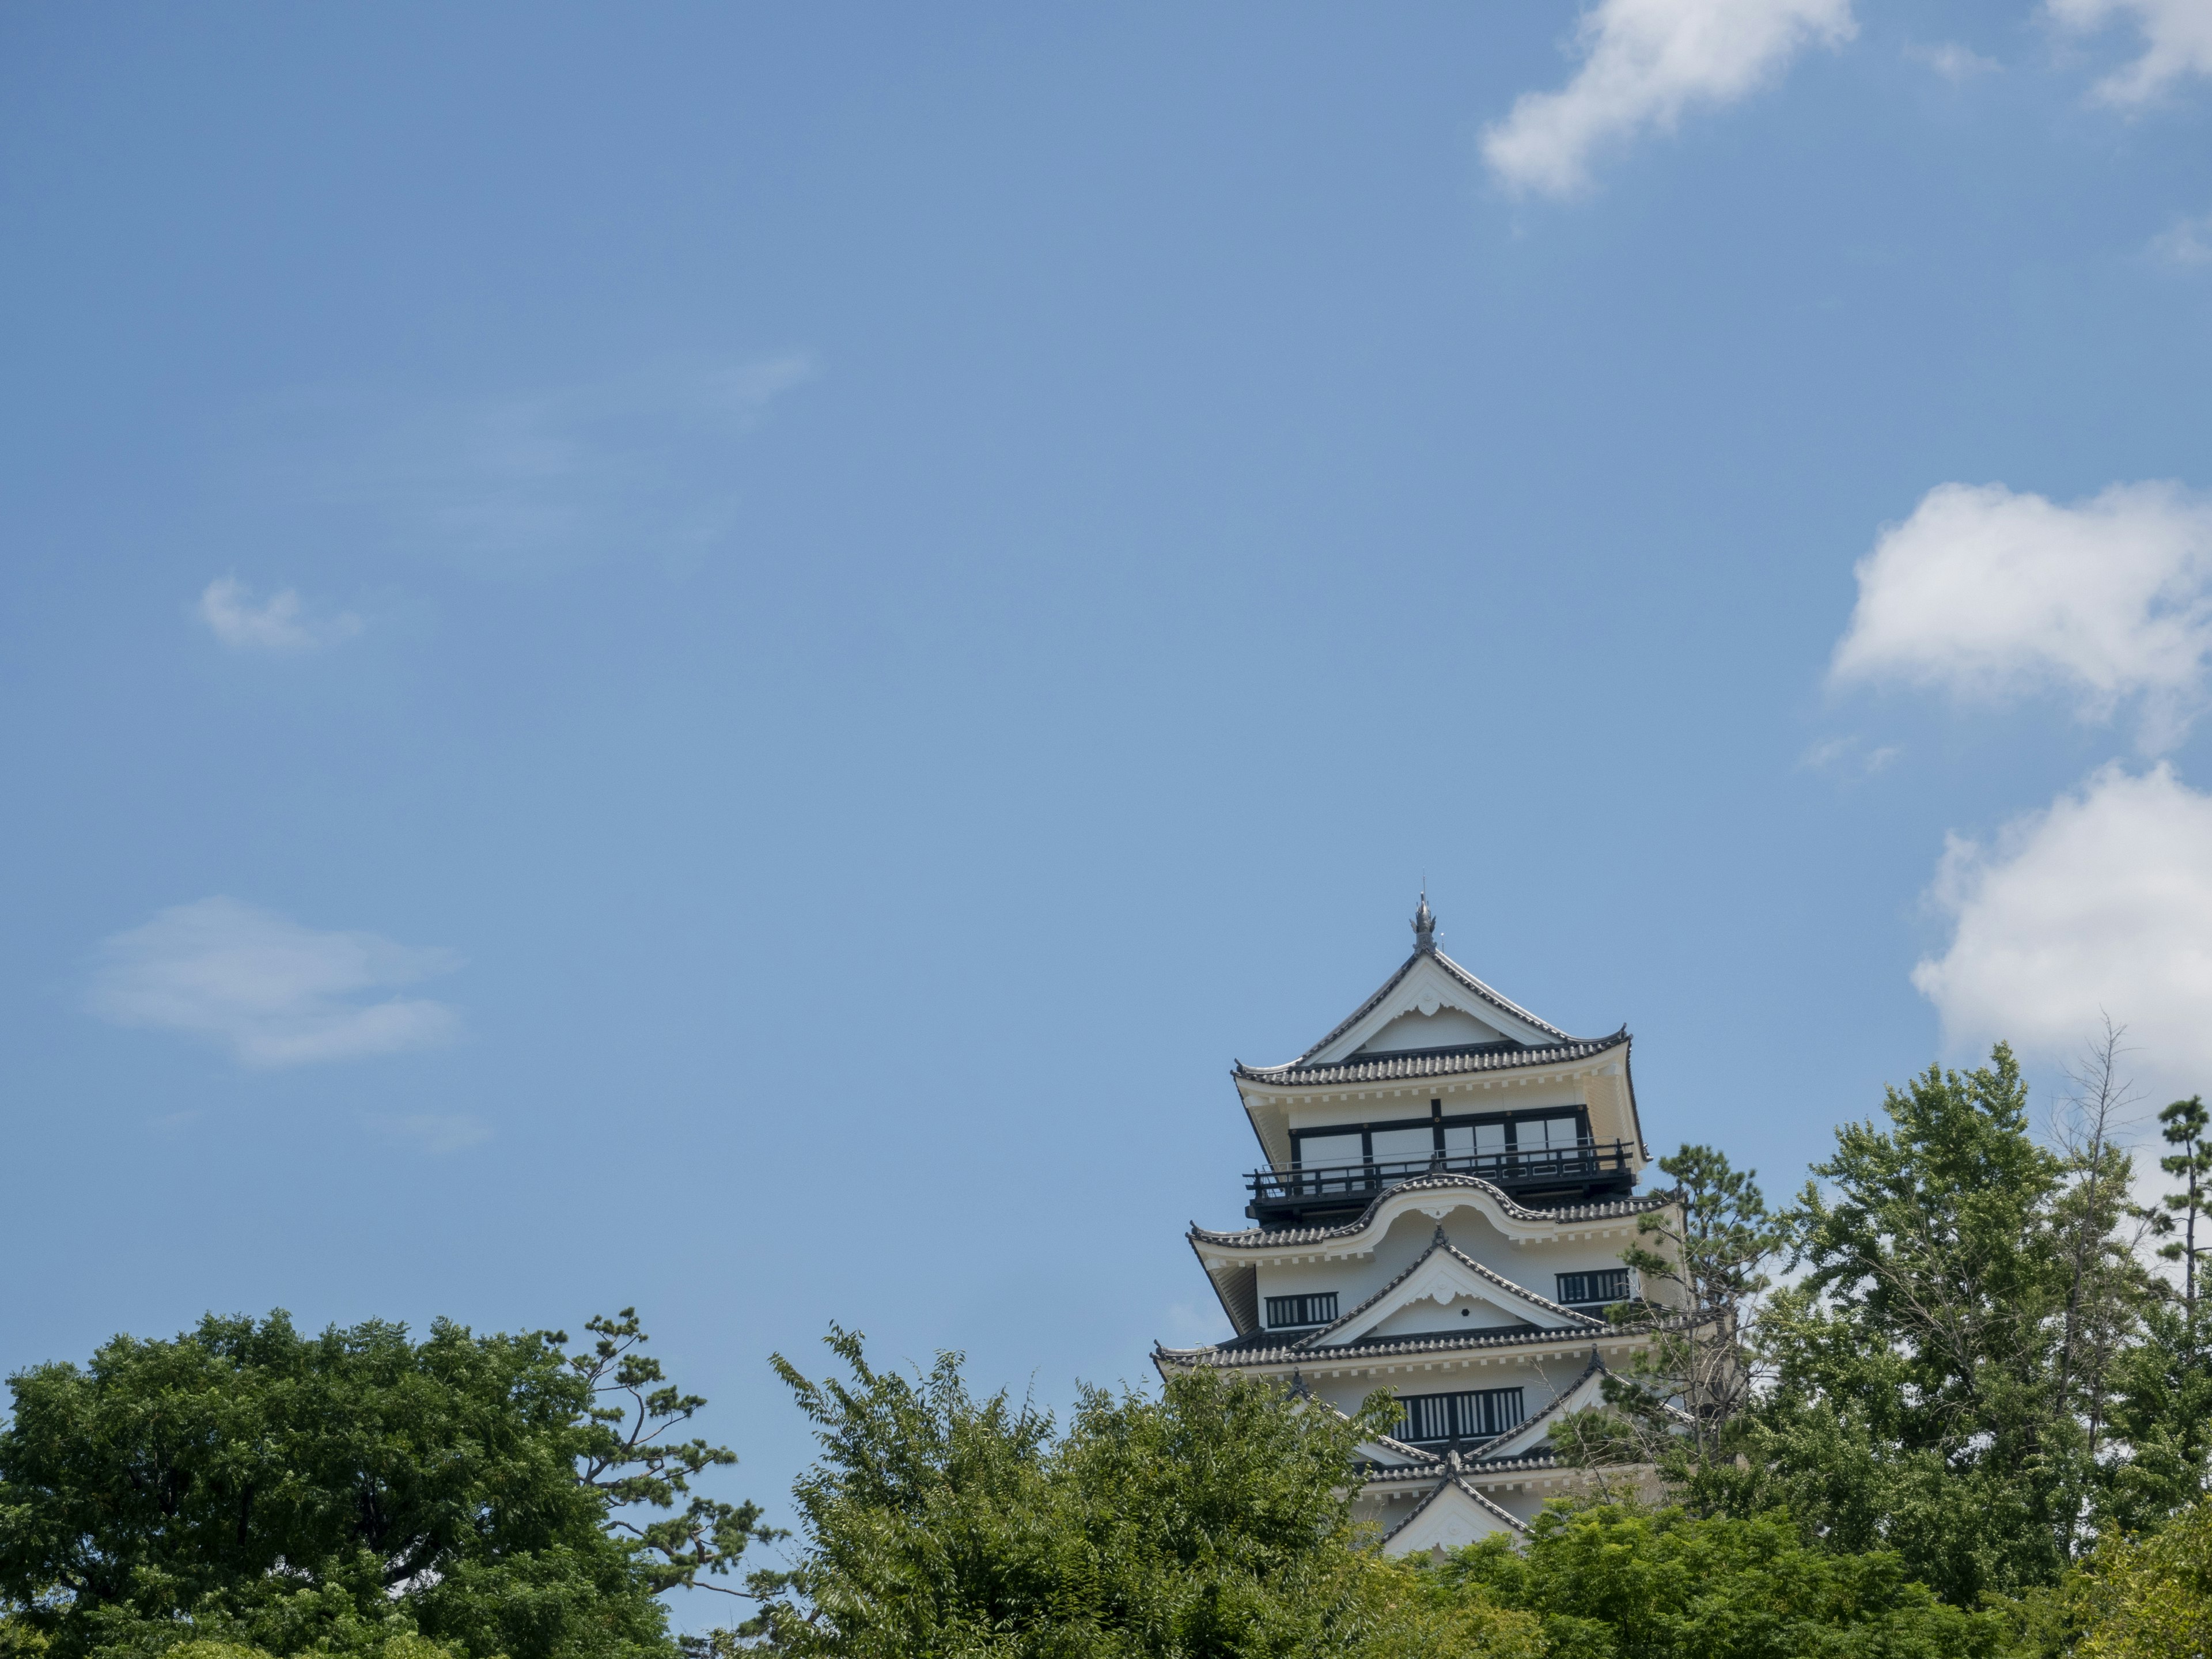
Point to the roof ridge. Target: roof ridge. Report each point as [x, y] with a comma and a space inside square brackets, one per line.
[1222, 1354]
[1597, 1365]
[1496, 999]
[1429, 1062]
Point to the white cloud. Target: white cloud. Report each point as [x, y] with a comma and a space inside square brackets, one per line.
[521, 482]
[280, 623]
[274, 992]
[2100, 904]
[2177, 42]
[1988, 594]
[1644, 62]
[2185, 242]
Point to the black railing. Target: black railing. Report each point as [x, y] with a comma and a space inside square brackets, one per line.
[1591, 1165]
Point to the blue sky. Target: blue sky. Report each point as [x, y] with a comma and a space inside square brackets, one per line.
[720, 658]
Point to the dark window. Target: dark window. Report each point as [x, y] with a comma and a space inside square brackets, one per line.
[1302, 1309]
[1558, 1136]
[1477, 1415]
[1610, 1285]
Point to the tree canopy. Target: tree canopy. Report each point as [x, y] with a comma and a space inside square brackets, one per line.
[1214, 1520]
[243, 1483]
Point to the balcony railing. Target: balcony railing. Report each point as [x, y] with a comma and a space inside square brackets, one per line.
[1590, 1168]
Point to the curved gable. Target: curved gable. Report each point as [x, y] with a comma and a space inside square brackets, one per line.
[1436, 1196]
[1444, 1273]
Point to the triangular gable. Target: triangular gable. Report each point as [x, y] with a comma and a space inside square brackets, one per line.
[1441, 1273]
[1452, 1515]
[1584, 1392]
[1428, 983]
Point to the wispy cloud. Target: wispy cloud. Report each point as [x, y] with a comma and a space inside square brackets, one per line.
[1644, 63]
[530, 481]
[2101, 903]
[281, 624]
[1188, 1324]
[434, 1133]
[273, 993]
[1988, 594]
[1954, 61]
[2184, 242]
[1849, 755]
[2177, 38]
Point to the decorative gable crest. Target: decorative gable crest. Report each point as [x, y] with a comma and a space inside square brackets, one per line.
[1442, 1274]
[1429, 984]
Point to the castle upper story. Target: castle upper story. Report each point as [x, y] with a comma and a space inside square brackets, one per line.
[1438, 1074]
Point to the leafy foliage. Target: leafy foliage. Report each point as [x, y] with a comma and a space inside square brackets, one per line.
[2150, 1598]
[1615, 1581]
[1214, 1520]
[1974, 1370]
[2184, 1125]
[1917, 1403]
[1685, 1388]
[243, 1483]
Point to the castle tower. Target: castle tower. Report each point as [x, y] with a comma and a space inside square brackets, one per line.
[1449, 1183]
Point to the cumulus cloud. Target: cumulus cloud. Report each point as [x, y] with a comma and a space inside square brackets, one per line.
[280, 623]
[1988, 594]
[1644, 63]
[2176, 43]
[273, 993]
[2101, 903]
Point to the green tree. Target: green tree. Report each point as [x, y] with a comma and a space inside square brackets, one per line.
[1212, 1521]
[1702, 1262]
[2148, 1598]
[247, 1483]
[2107, 1289]
[1918, 1402]
[1615, 1581]
[2183, 1126]
[2162, 1406]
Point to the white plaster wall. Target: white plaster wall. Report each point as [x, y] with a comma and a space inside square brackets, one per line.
[1460, 1314]
[1535, 1265]
[1446, 1027]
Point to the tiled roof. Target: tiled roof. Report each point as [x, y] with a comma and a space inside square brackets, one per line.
[1475, 1468]
[1252, 1349]
[1504, 1004]
[1430, 1062]
[1266, 1238]
[1596, 1366]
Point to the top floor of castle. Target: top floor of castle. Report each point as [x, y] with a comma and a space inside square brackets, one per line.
[1438, 1074]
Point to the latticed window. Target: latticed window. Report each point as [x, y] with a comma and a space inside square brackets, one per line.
[1302, 1309]
[1609, 1285]
[1476, 1414]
